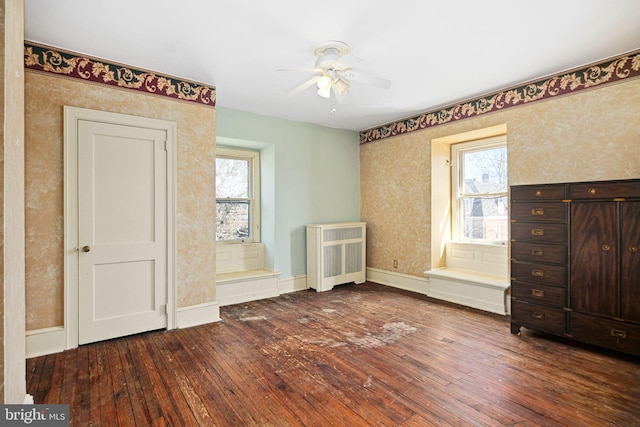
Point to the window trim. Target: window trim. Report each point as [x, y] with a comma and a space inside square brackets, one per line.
[253, 157]
[457, 150]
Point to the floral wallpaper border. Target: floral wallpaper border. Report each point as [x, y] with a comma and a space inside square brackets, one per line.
[47, 59]
[611, 71]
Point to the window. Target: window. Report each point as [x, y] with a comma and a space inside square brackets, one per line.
[479, 191]
[237, 195]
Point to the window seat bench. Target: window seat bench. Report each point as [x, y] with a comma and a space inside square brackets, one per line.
[241, 275]
[469, 288]
[238, 276]
[475, 276]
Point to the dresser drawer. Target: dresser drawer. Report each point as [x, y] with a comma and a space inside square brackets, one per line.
[544, 274]
[543, 233]
[604, 190]
[606, 333]
[540, 294]
[538, 192]
[538, 252]
[539, 212]
[538, 317]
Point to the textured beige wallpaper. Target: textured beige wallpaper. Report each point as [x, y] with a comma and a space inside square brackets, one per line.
[394, 197]
[195, 193]
[592, 135]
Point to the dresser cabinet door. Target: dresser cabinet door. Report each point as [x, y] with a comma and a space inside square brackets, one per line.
[630, 261]
[594, 255]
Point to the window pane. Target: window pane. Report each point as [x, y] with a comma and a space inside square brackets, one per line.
[485, 218]
[232, 220]
[485, 171]
[232, 178]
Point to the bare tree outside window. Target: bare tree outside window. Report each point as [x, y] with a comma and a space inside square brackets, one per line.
[233, 199]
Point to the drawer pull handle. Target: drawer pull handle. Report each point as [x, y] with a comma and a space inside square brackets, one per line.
[538, 293]
[633, 249]
[538, 273]
[537, 232]
[537, 211]
[591, 191]
[606, 247]
[537, 252]
[537, 315]
[538, 193]
[618, 333]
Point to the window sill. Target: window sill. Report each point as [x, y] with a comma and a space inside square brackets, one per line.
[235, 242]
[473, 242]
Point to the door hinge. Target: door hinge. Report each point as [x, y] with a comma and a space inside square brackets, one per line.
[164, 309]
[166, 145]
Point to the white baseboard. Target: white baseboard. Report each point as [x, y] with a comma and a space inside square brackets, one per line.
[198, 314]
[292, 284]
[398, 280]
[40, 342]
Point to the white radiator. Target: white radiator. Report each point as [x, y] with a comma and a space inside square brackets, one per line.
[335, 254]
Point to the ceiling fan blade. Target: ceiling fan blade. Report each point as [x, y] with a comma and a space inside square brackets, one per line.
[304, 85]
[347, 61]
[340, 98]
[368, 79]
[303, 70]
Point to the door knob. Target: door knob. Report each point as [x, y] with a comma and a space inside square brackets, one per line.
[86, 248]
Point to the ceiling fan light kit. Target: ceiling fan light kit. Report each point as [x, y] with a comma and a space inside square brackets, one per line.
[334, 72]
[324, 86]
[341, 86]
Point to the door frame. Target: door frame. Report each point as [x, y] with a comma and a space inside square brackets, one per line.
[71, 247]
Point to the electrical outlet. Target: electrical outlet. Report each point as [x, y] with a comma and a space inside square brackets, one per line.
[395, 263]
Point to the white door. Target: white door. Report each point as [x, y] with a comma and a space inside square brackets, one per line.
[122, 230]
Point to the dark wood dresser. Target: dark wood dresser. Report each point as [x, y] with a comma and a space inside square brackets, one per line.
[575, 265]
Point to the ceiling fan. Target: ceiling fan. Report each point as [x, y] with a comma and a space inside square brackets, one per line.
[334, 71]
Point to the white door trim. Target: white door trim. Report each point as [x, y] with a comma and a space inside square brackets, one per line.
[71, 279]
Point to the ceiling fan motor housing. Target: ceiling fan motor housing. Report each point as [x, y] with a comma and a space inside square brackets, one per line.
[329, 52]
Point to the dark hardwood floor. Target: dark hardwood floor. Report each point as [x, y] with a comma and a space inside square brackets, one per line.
[359, 355]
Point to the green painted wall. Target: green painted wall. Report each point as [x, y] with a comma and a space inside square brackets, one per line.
[309, 174]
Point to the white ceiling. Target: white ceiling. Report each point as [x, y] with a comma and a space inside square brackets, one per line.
[435, 52]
